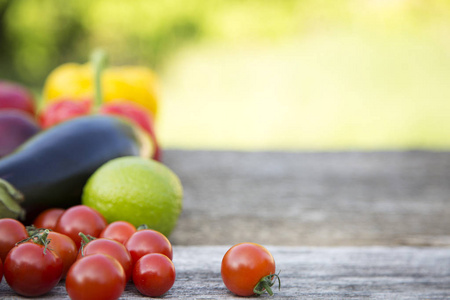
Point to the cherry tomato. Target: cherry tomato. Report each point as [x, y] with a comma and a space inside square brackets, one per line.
[64, 247]
[248, 269]
[96, 276]
[119, 231]
[148, 241]
[31, 269]
[11, 232]
[111, 247]
[154, 274]
[80, 218]
[48, 218]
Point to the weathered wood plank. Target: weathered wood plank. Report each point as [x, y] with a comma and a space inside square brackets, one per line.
[314, 199]
[311, 273]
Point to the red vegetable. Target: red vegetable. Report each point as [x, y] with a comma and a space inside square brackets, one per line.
[147, 241]
[48, 218]
[248, 269]
[95, 277]
[119, 231]
[154, 274]
[11, 232]
[31, 269]
[80, 218]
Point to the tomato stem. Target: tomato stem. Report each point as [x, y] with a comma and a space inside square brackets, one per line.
[266, 283]
[142, 227]
[39, 237]
[85, 239]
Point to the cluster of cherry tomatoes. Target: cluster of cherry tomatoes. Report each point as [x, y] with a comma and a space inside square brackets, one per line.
[98, 259]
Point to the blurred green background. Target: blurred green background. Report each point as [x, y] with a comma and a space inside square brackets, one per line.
[258, 74]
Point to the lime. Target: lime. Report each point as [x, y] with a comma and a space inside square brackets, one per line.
[137, 190]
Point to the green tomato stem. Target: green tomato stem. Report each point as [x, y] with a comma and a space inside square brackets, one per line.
[266, 283]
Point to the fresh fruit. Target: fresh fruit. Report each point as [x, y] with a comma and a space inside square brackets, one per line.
[148, 241]
[110, 247]
[80, 218]
[11, 232]
[17, 96]
[48, 218]
[136, 190]
[51, 169]
[65, 248]
[248, 269]
[16, 127]
[119, 231]
[31, 269]
[97, 276]
[154, 275]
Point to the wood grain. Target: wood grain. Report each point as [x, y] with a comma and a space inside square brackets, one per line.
[311, 273]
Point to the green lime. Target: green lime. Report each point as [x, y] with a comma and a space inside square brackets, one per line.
[137, 190]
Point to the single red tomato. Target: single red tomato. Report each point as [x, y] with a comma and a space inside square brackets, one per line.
[148, 241]
[112, 248]
[119, 231]
[80, 218]
[48, 218]
[248, 269]
[31, 269]
[97, 276]
[11, 232]
[65, 247]
[154, 274]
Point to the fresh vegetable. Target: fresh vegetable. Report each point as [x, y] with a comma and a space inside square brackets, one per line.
[16, 127]
[110, 247]
[48, 218]
[51, 169]
[11, 232]
[31, 269]
[154, 274]
[248, 269]
[74, 81]
[65, 248]
[147, 241]
[80, 218]
[97, 276]
[16, 96]
[66, 108]
[119, 231]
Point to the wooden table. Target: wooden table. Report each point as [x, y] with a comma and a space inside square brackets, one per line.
[340, 225]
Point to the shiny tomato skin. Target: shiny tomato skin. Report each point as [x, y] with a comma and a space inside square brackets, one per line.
[80, 218]
[119, 231]
[64, 247]
[110, 247]
[154, 274]
[148, 241]
[244, 265]
[30, 272]
[48, 218]
[11, 232]
[95, 277]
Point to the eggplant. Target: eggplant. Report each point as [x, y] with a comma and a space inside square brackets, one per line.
[51, 168]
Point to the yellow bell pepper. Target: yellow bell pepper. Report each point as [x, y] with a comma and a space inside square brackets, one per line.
[76, 82]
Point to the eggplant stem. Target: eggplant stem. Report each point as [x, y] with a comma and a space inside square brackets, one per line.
[10, 199]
